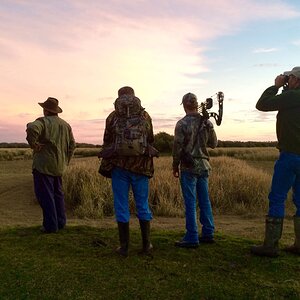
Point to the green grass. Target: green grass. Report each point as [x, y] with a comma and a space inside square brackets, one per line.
[79, 263]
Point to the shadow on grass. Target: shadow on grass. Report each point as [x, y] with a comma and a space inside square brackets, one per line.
[79, 263]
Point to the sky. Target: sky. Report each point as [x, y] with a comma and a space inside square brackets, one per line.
[82, 51]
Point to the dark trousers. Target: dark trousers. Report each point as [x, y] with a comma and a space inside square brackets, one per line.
[48, 191]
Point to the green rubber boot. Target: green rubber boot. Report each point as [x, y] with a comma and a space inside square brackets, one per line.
[273, 233]
[295, 248]
[124, 239]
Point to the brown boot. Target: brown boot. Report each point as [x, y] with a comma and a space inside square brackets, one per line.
[145, 231]
[295, 248]
[272, 236]
[124, 239]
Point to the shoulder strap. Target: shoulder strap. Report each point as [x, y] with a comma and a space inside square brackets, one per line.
[200, 126]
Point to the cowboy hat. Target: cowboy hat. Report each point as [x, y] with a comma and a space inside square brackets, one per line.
[51, 104]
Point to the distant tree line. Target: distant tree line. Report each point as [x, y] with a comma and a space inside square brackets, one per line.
[162, 142]
[14, 145]
[25, 145]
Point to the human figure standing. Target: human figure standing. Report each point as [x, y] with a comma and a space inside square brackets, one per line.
[193, 134]
[53, 145]
[127, 139]
[287, 168]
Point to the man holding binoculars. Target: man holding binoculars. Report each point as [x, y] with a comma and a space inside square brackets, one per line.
[287, 167]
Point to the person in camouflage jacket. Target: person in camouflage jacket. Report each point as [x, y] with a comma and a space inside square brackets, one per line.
[193, 134]
[126, 172]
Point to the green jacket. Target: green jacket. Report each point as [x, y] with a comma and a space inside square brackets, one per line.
[53, 144]
[138, 164]
[288, 118]
[193, 135]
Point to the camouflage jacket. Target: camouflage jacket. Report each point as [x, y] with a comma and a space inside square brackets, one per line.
[138, 164]
[193, 135]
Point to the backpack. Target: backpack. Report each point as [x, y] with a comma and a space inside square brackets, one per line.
[130, 127]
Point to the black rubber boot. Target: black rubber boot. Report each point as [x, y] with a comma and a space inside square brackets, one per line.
[272, 236]
[145, 230]
[295, 248]
[124, 239]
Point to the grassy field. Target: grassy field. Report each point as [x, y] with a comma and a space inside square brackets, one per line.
[8, 154]
[79, 262]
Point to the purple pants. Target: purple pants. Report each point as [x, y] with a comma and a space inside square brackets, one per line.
[48, 191]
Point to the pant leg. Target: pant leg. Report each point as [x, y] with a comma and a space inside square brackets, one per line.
[188, 187]
[44, 191]
[296, 186]
[206, 215]
[140, 189]
[120, 185]
[59, 202]
[283, 179]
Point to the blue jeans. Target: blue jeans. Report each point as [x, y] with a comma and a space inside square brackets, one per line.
[286, 176]
[194, 187]
[122, 180]
[49, 193]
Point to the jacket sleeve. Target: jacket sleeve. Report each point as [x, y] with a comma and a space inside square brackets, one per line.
[212, 140]
[33, 132]
[72, 145]
[177, 146]
[150, 135]
[270, 101]
[108, 137]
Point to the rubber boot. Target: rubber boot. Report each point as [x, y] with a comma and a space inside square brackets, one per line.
[124, 238]
[145, 230]
[295, 248]
[273, 233]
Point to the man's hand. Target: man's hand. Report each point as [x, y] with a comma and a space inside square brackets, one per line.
[37, 147]
[280, 81]
[176, 173]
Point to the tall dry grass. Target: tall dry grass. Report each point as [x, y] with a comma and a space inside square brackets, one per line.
[8, 154]
[235, 188]
[238, 188]
[88, 194]
[250, 153]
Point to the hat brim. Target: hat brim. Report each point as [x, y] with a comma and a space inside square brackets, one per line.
[295, 73]
[55, 111]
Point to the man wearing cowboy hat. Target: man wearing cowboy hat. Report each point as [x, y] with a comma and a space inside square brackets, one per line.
[53, 145]
[287, 167]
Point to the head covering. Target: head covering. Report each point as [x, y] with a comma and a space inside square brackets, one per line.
[295, 71]
[51, 104]
[125, 90]
[190, 100]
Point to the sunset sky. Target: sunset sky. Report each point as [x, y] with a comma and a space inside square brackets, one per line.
[82, 52]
